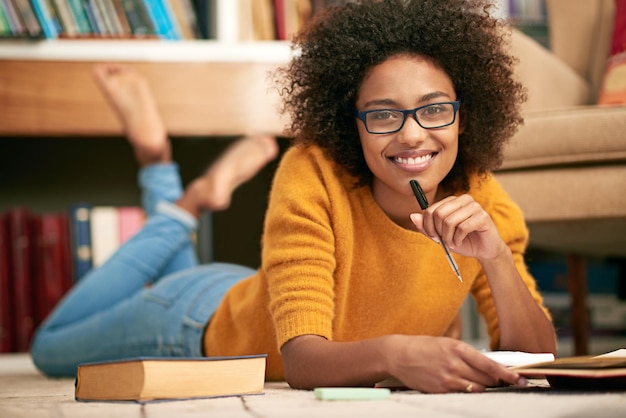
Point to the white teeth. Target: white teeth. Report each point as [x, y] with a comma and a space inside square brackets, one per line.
[417, 160]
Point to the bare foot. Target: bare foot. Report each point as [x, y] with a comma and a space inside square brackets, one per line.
[239, 163]
[128, 93]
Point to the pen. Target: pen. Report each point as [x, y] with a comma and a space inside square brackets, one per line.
[423, 202]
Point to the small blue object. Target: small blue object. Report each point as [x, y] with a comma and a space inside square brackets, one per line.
[351, 394]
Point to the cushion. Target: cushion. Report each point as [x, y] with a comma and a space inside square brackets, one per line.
[576, 135]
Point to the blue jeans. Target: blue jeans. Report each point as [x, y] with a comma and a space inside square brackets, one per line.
[151, 298]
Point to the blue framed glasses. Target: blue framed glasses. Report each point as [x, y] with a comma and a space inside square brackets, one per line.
[430, 116]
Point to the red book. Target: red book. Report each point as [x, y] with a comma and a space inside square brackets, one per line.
[131, 219]
[6, 326]
[279, 18]
[52, 275]
[19, 257]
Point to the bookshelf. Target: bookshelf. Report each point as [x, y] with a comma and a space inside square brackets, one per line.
[65, 144]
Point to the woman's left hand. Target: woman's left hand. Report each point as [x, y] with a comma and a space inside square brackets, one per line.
[464, 226]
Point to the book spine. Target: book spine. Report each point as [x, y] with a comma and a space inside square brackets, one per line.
[189, 18]
[17, 26]
[104, 233]
[69, 26]
[6, 297]
[158, 18]
[91, 16]
[131, 220]
[44, 15]
[103, 17]
[138, 19]
[279, 18]
[125, 28]
[227, 20]
[5, 25]
[204, 16]
[33, 28]
[108, 11]
[19, 232]
[174, 29]
[80, 239]
[52, 274]
[80, 17]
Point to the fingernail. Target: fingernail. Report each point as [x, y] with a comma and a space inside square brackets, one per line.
[522, 381]
[436, 239]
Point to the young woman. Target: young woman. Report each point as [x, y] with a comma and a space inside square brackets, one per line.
[354, 286]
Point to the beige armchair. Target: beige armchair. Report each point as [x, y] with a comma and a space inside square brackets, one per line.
[566, 167]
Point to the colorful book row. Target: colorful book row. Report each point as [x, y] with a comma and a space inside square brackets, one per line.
[42, 255]
[226, 20]
[51, 19]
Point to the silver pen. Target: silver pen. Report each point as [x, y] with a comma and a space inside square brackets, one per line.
[423, 202]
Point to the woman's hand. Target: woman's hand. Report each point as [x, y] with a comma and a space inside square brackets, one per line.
[465, 227]
[440, 365]
[424, 363]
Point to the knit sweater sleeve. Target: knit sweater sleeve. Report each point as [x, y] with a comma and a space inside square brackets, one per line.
[509, 220]
[298, 252]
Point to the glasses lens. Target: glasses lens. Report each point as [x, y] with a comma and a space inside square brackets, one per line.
[384, 120]
[436, 115]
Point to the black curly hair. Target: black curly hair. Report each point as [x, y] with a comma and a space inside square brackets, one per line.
[340, 44]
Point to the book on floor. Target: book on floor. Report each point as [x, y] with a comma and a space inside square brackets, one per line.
[158, 378]
[605, 371]
[506, 358]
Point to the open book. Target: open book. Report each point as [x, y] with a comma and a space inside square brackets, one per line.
[158, 378]
[606, 371]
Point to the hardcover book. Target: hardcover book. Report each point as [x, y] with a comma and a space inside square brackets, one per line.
[604, 372]
[6, 306]
[80, 239]
[52, 273]
[170, 378]
[19, 247]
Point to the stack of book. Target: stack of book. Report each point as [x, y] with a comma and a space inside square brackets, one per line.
[42, 255]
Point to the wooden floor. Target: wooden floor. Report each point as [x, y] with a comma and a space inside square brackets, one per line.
[25, 393]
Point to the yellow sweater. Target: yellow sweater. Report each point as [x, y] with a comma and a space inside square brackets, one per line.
[335, 265]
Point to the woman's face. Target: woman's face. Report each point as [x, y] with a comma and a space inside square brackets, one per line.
[427, 155]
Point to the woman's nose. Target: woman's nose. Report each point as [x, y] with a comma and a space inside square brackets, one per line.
[411, 133]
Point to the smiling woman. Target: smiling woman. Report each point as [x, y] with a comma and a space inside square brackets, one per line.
[353, 286]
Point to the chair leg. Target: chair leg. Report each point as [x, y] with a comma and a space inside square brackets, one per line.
[577, 285]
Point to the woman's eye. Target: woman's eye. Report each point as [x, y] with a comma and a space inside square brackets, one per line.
[383, 115]
[431, 110]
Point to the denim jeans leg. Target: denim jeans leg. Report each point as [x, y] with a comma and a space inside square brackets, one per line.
[159, 183]
[166, 320]
[127, 272]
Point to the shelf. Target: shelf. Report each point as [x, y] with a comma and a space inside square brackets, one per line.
[146, 50]
[203, 88]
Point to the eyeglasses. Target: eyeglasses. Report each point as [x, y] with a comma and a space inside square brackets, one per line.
[430, 116]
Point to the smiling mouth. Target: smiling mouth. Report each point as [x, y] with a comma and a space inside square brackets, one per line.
[414, 160]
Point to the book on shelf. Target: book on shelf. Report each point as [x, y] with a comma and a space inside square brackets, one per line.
[51, 262]
[224, 20]
[80, 239]
[19, 247]
[6, 299]
[47, 19]
[172, 378]
[110, 227]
